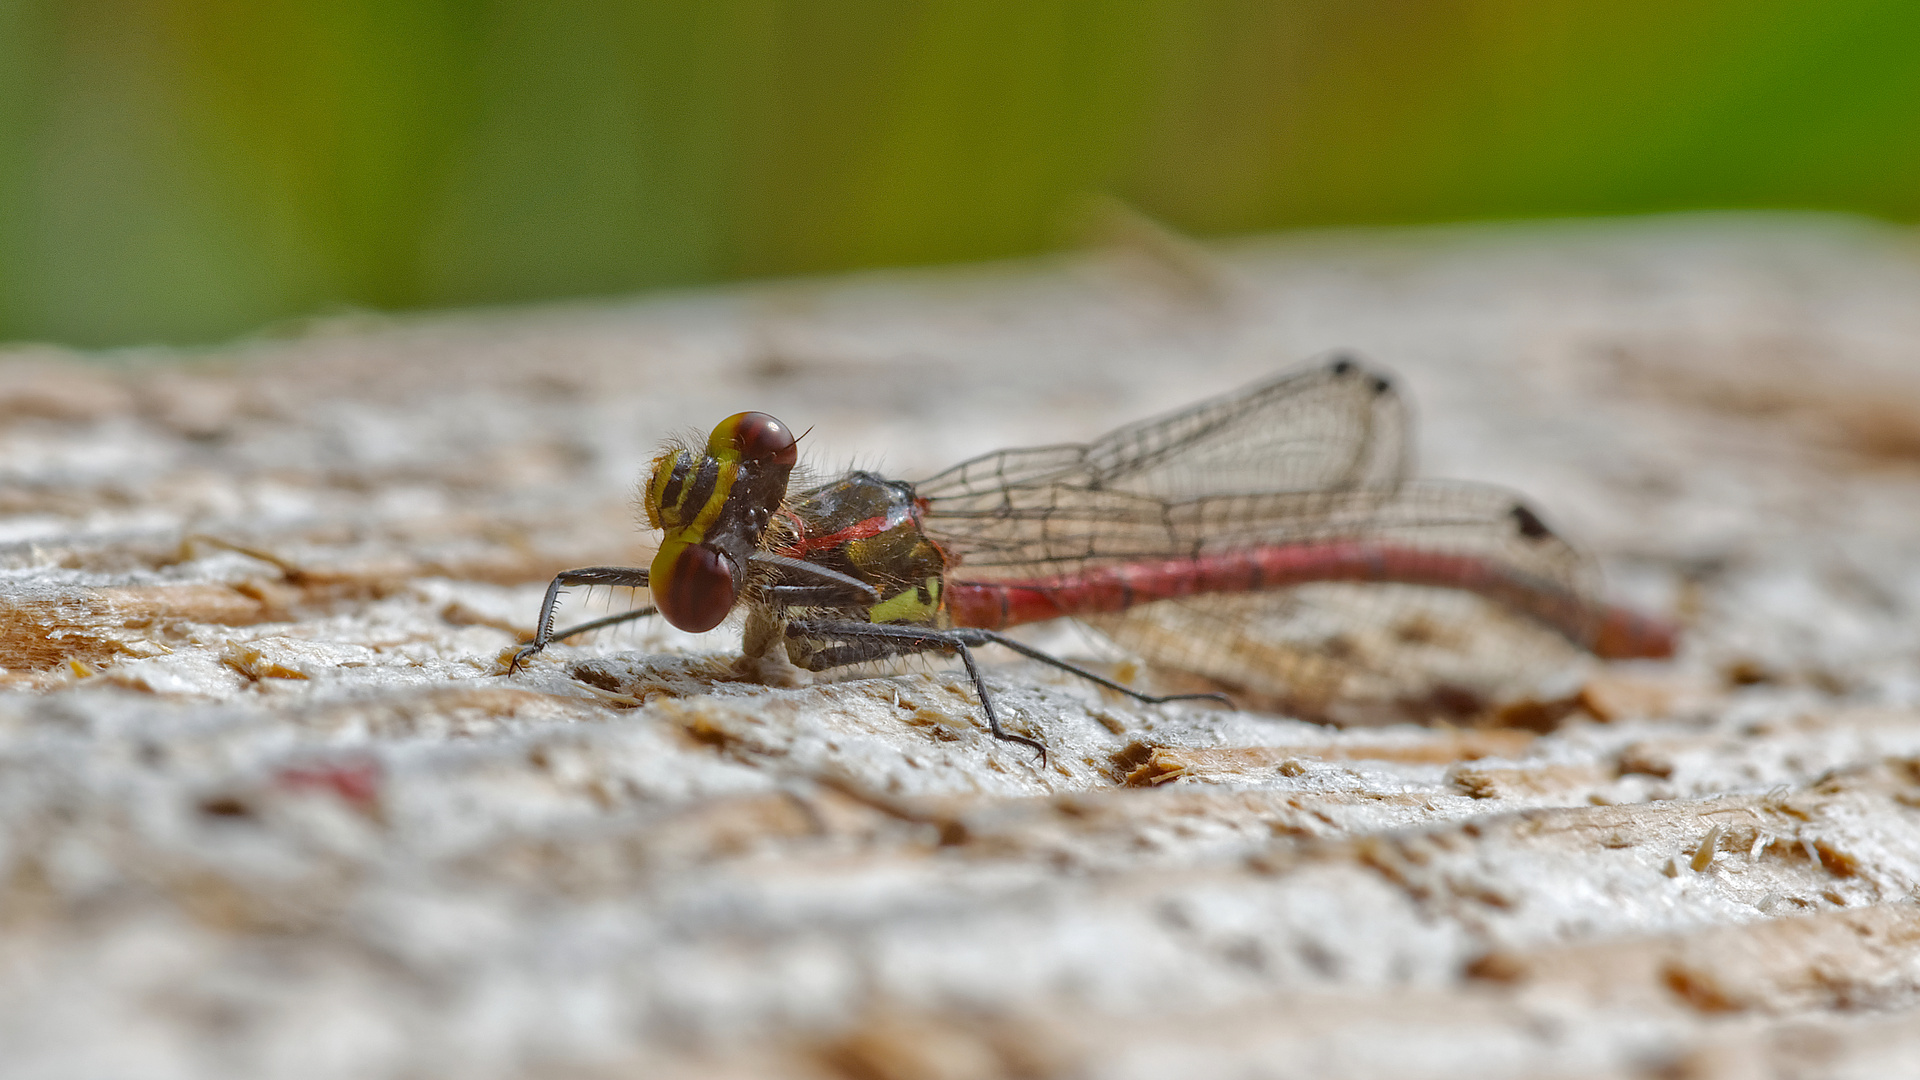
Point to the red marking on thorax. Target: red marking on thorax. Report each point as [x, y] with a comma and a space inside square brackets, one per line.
[867, 529]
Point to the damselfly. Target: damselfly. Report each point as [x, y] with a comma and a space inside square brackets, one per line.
[1183, 537]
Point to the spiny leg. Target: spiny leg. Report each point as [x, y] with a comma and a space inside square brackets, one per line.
[630, 576]
[603, 622]
[986, 705]
[983, 637]
[832, 586]
[862, 642]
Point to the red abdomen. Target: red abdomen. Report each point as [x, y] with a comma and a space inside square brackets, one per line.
[1608, 632]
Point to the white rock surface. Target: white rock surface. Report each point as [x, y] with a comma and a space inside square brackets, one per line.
[268, 808]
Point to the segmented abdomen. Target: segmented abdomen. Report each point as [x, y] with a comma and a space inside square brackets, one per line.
[1611, 633]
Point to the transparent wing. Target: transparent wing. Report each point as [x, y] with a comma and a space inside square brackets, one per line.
[1382, 588]
[1348, 654]
[1521, 597]
[1269, 459]
[1337, 425]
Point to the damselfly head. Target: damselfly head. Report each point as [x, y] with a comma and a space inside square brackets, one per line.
[714, 503]
[748, 456]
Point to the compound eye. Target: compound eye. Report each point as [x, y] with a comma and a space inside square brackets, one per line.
[693, 586]
[759, 437]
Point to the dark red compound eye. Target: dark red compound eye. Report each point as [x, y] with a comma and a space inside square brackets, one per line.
[760, 437]
[698, 590]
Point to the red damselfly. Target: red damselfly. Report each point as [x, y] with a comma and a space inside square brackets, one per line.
[1185, 537]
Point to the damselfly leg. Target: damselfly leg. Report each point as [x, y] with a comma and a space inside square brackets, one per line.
[864, 642]
[633, 577]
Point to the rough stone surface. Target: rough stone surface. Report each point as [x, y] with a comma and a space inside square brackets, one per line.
[268, 808]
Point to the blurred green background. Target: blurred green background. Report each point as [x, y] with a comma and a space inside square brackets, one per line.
[188, 170]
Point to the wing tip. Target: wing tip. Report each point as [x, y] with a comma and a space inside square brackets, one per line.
[1343, 363]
